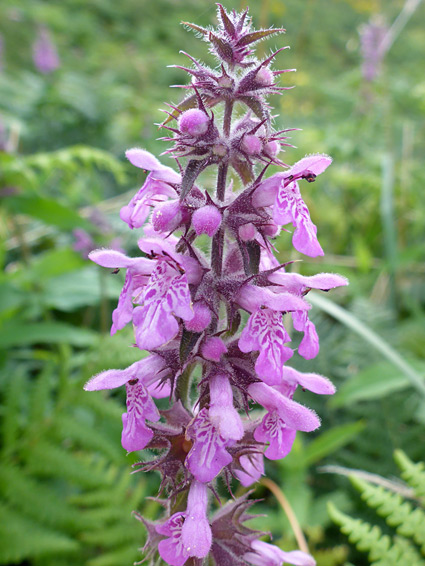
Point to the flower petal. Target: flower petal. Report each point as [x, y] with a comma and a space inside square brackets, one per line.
[290, 207]
[196, 530]
[208, 455]
[311, 381]
[154, 326]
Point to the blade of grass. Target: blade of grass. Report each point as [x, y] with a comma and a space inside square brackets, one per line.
[353, 323]
[286, 506]
[388, 222]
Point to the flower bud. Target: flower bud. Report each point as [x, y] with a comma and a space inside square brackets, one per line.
[193, 122]
[271, 230]
[251, 144]
[206, 220]
[213, 349]
[272, 148]
[264, 77]
[247, 232]
[201, 319]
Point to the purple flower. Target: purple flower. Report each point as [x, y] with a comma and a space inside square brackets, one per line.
[196, 531]
[265, 332]
[252, 468]
[142, 382]
[251, 298]
[201, 318]
[283, 192]
[188, 534]
[312, 381]
[165, 296]
[84, 243]
[223, 415]
[194, 122]
[208, 455]
[45, 55]
[171, 549]
[157, 187]
[213, 348]
[137, 276]
[283, 418]
[185, 303]
[300, 285]
[206, 220]
[372, 35]
[269, 555]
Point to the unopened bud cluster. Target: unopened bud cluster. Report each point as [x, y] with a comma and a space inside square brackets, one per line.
[186, 306]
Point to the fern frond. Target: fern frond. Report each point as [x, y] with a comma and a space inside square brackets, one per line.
[11, 421]
[46, 459]
[70, 429]
[115, 535]
[413, 474]
[36, 500]
[40, 397]
[126, 555]
[70, 160]
[382, 550]
[398, 513]
[22, 538]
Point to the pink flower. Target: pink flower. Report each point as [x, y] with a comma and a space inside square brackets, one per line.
[222, 414]
[137, 276]
[282, 191]
[206, 220]
[252, 469]
[45, 54]
[265, 332]
[283, 418]
[189, 533]
[142, 381]
[269, 555]
[165, 297]
[208, 455]
[157, 187]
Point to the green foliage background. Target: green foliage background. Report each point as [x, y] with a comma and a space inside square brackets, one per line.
[65, 488]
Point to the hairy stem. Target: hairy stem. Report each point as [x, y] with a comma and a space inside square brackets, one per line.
[218, 240]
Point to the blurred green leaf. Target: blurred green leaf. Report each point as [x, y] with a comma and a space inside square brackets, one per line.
[55, 262]
[71, 291]
[10, 297]
[370, 336]
[375, 382]
[21, 333]
[327, 443]
[47, 210]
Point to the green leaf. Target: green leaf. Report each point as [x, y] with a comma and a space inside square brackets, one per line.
[20, 333]
[48, 211]
[374, 382]
[329, 442]
[71, 291]
[55, 262]
[10, 298]
[371, 337]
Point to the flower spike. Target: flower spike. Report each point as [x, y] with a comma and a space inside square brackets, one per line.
[209, 304]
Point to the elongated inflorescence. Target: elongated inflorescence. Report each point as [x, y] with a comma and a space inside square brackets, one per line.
[187, 307]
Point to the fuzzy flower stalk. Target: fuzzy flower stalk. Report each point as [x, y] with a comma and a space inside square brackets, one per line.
[210, 324]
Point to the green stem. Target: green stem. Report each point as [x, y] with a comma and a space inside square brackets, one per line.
[184, 383]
